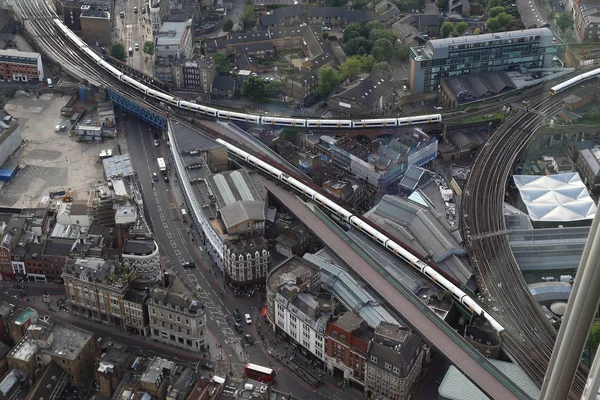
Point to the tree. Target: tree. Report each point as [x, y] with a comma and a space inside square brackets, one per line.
[117, 50]
[382, 34]
[222, 66]
[248, 17]
[227, 25]
[477, 31]
[328, 81]
[594, 338]
[353, 31]
[402, 51]
[461, 28]
[382, 49]
[446, 29]
[493, 25]
[564, 22]
[504, 19]
[493, 3]
[382, 66]
[375, 25]
[358, 46]
[352, 66]
[254, 89]
[442, 4]
[149, 47]
[494, 11]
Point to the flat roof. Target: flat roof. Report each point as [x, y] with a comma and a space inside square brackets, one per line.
[24, 317]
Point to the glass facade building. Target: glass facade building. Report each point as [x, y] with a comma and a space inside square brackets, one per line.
[492, 52]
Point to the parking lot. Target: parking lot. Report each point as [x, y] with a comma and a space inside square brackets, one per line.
[48, 160]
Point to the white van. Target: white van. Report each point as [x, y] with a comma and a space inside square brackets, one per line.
[50, 84]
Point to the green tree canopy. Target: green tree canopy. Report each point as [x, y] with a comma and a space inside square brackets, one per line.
[504, 19]
[477, 31]
[248, 17]
[446, 29]
[442, 5]
[227, 25]
[149, 47]
[358, 46]
[564, 22]
[382, 34]
[254, 89]
[493, 24]
[355, 65]
[355, 30]
[382, 49]
[382, 66]
[594, 338]
[222, 66]
[494, 11]
[461, 28]
[493, 3]
[117, 50]
[402, 51]
[328, 81]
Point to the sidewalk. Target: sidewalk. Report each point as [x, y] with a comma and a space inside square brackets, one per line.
[134, 340]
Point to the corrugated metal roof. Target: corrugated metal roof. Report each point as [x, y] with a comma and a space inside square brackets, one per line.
[351, 293]
[456, 386]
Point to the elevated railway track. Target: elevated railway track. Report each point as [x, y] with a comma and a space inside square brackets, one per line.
[529, 338]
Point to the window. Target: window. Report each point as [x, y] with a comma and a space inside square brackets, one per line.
[388, 366]
[343, 338]
[373, 359]
[334, 334]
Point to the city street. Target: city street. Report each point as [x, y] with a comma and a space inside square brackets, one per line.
[163, 201]
[134, 28]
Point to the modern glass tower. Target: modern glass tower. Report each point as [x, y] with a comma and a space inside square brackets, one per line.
[491, 52]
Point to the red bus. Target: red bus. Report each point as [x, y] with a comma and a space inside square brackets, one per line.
[262, 374]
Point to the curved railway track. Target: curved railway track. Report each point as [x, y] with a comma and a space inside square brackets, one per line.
[529, 337]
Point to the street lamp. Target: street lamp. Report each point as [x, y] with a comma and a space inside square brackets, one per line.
[230, 367]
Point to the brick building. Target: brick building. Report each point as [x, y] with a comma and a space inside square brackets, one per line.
[21, 66]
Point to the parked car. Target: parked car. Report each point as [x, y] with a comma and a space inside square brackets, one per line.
[166, 179]
[237, 315]
[135, 10]
[249, 338]
[137, 46]
[238, 327]
[156, 143]
[206, 365]
[248, 319]
[155, 177]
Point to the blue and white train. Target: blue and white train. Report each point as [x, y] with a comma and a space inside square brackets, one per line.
[368, 230]
[573, 81]
[236, 116]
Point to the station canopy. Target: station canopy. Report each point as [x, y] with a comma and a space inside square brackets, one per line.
[556, 198]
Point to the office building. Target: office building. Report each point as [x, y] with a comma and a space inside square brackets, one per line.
[196, 74]
[176, 316]
[21, 66]
[492, 52]
[174, 40]
[95, 27]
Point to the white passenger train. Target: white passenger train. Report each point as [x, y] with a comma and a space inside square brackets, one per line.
[341, 212]
[573, 81]
[368, 230]
[236, 116]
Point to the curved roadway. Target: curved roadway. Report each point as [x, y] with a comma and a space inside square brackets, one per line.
[529, 337]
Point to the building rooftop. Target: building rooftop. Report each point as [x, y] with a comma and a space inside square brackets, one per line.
[170, 33]
[424, 231]
[367, 91]
[473, 87]
[395, 346]
[223, 83]
[67, 341]
[139, 247]
[95, 14]
[251, 389]
[177, 295]
[233, 186]
[294, 270]
[551, 198]
[277, 15]
[157, 367]
[46, 385]
[58, 247]
[90, 269]
[241, 211]
[8, 55]
[190, 140]
[351, 293]
[25, 349]
[349, 321]
[24, 317]
[456, 386]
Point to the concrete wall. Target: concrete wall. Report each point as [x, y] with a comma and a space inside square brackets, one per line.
[9, 142]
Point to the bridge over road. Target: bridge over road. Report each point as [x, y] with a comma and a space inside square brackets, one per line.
[413, 311]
